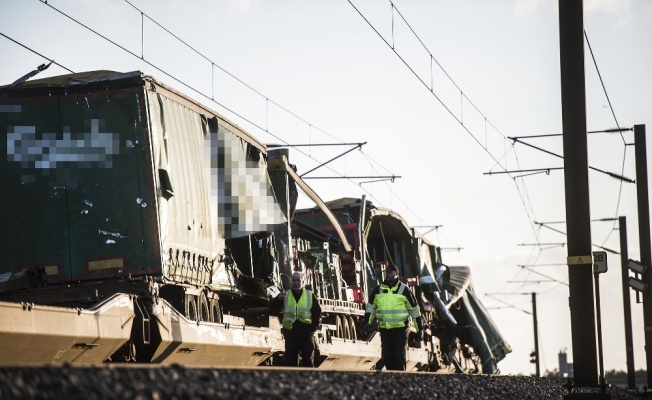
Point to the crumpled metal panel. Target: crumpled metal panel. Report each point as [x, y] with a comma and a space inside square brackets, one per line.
[213, 184]
[460, 280]
[78, 79]
[486, 339]
[428, 260]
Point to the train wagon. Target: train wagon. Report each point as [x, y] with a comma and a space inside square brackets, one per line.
[460, 334]
[138, 225]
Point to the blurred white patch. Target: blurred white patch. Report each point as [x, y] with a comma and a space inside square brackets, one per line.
[526, 7]
[241, 6]
[621, 9]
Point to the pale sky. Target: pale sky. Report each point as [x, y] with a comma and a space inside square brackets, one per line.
[330, 78]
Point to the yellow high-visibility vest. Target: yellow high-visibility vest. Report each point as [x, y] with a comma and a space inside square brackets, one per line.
[300, 310]
[392, 307]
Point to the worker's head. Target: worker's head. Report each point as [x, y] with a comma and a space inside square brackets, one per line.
[391, 272]
[297, 281]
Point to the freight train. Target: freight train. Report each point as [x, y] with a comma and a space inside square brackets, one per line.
[138, 225]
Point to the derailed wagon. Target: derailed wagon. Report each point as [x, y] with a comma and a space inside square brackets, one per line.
[460, 334]
[140, 226]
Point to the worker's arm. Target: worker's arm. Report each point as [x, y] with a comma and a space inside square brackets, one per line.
[316, 314]
[370, 311]
[414, 311]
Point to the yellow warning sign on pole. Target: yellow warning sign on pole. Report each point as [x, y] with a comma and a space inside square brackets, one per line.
[575, 260]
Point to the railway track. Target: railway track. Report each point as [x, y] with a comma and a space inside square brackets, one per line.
[138, 381]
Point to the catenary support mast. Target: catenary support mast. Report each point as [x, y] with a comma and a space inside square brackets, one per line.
[576, 181]
[627, 309]
[644, 239]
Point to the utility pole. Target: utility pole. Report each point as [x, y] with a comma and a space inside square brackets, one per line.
[644, 239]
[534, 355]
[576, 181]
[629, 344]
[536, 334]
[596, 276]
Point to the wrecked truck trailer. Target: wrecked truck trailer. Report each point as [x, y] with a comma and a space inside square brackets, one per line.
[121, 196]
[138, 225]
[148, 228]
[460, 334]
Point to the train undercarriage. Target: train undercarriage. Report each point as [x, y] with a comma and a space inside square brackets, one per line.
[140, 321]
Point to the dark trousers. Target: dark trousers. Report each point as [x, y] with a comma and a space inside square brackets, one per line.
[296, 344]
[394, 346]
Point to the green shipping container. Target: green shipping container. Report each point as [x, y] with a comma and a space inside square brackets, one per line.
[109, 175]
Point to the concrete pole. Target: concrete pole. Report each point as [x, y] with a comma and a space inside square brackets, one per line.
[629, 343]
[596, 277]
[536, 334]
[644, 239]
[576, 181]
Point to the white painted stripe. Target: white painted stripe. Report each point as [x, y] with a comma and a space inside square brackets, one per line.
[10, 108]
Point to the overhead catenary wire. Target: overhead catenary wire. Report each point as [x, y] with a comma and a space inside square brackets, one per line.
[173, 77]
[142, 58]
[611, 174]
[525, 161]
[394, 9]
[521, 192]
[393, 47]
[618, 130]
[604, 88]
[199, 92]
[524, 195]
[613, 113]
[458, 119]
[37, 53]
[213, 63]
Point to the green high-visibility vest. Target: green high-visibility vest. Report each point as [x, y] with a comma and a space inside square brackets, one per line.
[391, 307]
[300, 310]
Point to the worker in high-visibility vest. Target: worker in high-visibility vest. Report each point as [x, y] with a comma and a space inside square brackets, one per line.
[301, 319]
[393, 304]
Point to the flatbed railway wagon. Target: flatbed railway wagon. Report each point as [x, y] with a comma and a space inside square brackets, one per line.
[460, 334]
[138, 225]
[119, 196]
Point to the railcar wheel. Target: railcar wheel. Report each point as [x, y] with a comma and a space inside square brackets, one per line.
[339, 328]
[352, 328]
[191, 307]
[216, 311]
[346, 327]
[204, 311]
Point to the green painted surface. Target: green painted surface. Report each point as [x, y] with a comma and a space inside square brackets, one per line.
[77, 186]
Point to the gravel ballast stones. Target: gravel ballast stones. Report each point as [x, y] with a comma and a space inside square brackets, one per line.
[175, 382]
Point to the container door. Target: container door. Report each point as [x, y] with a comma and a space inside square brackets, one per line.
[34, 225]
[80, 201]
